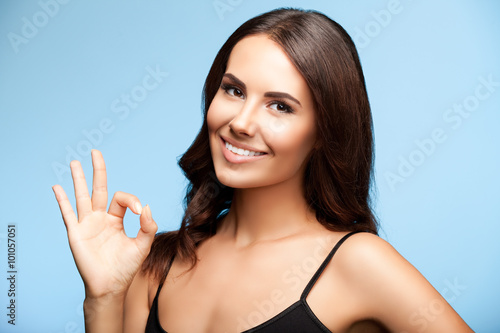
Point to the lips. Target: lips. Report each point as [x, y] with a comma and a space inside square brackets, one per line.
[243, 146]
[240, 153]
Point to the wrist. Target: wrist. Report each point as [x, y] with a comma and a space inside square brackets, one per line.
[104, 299]
[108, 294]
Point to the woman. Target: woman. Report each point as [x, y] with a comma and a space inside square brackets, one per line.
[278, 234]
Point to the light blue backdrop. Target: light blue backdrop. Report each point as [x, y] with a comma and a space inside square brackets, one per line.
[433, 75]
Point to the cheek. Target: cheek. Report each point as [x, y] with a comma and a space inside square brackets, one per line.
[213, 125]
[217, 116]
[294, 142]
[211, 119]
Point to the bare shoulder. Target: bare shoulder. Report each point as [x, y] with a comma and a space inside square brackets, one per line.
[391, 290]
[371, 266]
[368, 253]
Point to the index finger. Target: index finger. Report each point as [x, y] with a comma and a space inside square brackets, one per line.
[67, 212]
[99, 182]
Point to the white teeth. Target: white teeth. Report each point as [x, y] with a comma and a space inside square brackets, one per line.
[241, 151]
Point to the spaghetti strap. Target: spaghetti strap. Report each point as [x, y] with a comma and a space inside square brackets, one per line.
[158, 290]
[153, 323]
[298, 317]
[324, 264]
[162, 281]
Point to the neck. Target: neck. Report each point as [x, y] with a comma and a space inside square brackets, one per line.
[266, 213]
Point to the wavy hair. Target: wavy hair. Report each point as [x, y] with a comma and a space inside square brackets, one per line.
[339, 172]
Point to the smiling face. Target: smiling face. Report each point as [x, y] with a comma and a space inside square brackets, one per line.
[261, 121]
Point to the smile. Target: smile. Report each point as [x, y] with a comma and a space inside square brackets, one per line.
[241, 151]
[237, 155]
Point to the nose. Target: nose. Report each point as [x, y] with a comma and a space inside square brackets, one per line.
[245, 122]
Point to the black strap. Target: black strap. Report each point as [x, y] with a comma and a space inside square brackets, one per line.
[162, 281]
[323, 265]
[313, 279]
[158, 292]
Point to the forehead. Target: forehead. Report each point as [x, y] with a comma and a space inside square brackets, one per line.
[258, 60]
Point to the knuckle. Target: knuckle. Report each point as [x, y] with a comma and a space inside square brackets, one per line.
[118, 194]
[100, 188]
[125, 197]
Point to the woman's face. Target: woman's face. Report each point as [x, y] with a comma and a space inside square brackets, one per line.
[262, 120]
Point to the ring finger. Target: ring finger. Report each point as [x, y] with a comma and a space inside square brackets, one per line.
[99, 182]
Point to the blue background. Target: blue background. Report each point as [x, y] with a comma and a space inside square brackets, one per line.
[68, 74]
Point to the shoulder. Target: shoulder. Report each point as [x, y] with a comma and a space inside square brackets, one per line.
[370, 264]
[365, 257]
[363, 252]
[373, 265]
[390, 289]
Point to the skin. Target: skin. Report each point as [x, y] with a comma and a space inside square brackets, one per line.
[268, 246]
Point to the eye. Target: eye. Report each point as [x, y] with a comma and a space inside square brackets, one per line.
[281, 107]
[232, 90]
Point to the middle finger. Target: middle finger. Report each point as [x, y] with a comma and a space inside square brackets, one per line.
[83, 203]
[99, 182]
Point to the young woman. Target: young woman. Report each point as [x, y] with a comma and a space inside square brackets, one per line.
[278, 234]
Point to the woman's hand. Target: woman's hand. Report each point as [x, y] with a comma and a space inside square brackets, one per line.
[105, 256]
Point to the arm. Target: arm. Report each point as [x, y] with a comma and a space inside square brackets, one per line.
[120, 313]
[103, 314]
[136, 305]
[395, 293]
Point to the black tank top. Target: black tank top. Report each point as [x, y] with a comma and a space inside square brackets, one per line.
[297, 318]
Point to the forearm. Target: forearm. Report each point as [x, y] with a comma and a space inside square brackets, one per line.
[104, 314]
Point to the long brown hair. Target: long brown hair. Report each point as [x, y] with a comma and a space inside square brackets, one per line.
[339, 173]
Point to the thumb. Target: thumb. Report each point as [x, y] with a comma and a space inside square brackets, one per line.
[146, 234]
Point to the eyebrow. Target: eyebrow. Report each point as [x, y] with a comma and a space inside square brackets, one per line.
[272, 94]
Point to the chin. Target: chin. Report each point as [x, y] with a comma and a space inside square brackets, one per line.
[241, 182]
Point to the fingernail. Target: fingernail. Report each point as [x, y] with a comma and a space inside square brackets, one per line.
[138, 208]
[148, 213]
